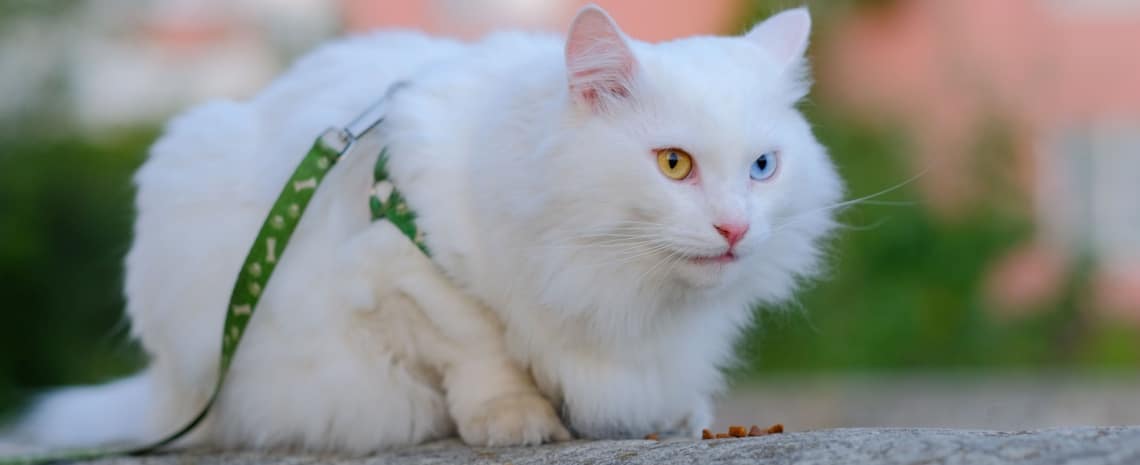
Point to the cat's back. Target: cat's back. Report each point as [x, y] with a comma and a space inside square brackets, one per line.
[249, 147]
[214, 173]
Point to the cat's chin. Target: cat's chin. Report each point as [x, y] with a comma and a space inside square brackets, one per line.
[707, 272]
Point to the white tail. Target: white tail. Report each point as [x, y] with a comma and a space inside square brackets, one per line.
[112, 413]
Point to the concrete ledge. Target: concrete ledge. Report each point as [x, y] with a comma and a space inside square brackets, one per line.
[1086, 446]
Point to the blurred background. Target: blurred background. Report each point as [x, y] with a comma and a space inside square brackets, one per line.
[995, 284]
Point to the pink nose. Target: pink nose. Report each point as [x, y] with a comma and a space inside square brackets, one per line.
[732, 232]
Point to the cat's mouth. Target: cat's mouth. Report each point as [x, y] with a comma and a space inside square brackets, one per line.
[726, 257]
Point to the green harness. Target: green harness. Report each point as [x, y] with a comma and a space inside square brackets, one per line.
[263, 256]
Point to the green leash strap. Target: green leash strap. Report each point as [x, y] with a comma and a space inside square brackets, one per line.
[393, 206]
[262, 259]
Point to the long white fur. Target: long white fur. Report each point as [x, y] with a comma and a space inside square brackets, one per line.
[559, 282]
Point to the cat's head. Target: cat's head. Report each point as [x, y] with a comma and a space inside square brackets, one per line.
[685, 165]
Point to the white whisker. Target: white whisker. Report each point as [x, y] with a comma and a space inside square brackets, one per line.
[868, 227]
[846, 203]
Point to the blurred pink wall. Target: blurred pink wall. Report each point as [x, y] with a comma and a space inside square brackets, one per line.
[1044, 69]
[651, 20]
[944, 66]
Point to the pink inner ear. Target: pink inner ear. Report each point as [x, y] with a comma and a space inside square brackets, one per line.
[592, 83]
[599, 62]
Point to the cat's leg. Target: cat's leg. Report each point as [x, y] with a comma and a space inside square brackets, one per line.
[699, 418]
[492, 400]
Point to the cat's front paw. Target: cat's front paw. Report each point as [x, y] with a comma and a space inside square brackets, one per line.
[513, 420]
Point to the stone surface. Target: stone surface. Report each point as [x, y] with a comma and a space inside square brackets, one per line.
[1006, 402]
[818, 403]
[1085, 446]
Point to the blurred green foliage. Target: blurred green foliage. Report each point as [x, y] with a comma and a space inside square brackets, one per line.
[65, 218]
[15, 8]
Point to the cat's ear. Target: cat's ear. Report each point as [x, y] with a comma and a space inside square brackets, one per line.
[784, 36]
[599, 62]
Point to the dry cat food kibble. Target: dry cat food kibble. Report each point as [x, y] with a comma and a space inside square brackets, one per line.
[740, 432]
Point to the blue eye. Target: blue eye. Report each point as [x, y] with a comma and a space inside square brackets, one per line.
[764, 167]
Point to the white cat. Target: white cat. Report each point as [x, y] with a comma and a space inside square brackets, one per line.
[604, 214]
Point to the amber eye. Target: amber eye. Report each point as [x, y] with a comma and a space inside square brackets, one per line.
[674, 163]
